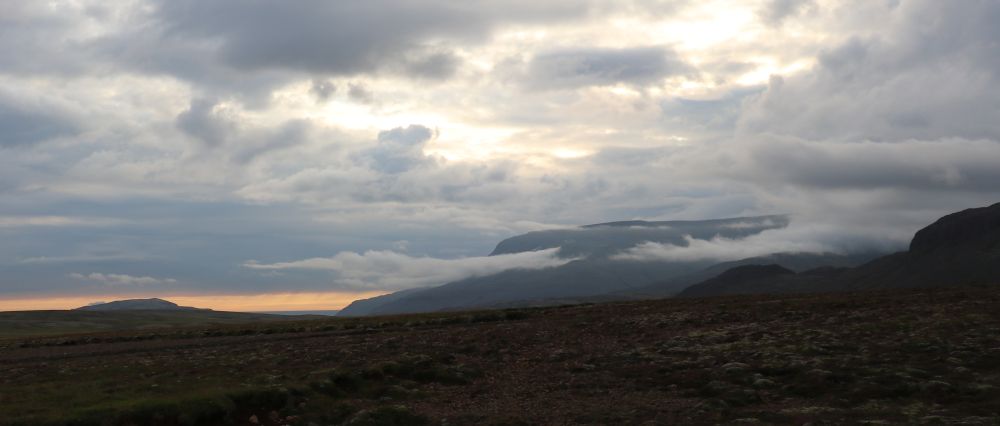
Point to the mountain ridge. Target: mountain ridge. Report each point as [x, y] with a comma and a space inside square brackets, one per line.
[594, 272]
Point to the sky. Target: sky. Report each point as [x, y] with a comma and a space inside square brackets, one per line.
[279, 155]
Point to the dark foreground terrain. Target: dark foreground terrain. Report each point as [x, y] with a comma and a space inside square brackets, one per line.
[38, 323]
[889, 357]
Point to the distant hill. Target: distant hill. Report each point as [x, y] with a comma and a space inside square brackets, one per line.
[125, 315]
[959, 249]
[153, 304]
[594, 274]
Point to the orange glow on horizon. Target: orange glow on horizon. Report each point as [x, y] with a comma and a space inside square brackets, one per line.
[231, 302]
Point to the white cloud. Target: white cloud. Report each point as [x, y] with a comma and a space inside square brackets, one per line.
[801, 238]
[18, 221]
[122, 279]
[163, 116]
[388, 270]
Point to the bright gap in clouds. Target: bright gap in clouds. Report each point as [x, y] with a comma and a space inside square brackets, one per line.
[710, 24]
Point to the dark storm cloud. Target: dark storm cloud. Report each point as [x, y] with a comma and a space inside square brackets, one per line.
[25, 122]
[344, 37]
[580, 67]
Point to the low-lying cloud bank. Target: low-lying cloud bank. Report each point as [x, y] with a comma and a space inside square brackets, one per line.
[121, 279]
[794, 239]
[389, 270]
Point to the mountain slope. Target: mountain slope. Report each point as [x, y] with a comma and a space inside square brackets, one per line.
[580, 278]
[592, 273]
[960, 248]
[797, 262]
[766, 279]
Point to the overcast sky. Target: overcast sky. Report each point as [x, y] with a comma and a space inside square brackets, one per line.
[247, 154]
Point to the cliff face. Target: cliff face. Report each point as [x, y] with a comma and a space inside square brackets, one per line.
[972, 228]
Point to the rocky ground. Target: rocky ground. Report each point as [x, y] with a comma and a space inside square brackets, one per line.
[917, 357]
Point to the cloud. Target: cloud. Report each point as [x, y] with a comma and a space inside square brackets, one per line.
[400, 149]
[941, 165]
[918, 78]
[122, 279]
[802, 238]
[776, 11]
[248, 48]
[215, 125]
[359, 93]
[55, 221]
[431, 65]
[323, 89]
[83, 259]
[27, 121]
[35, 37]
[390, 270]
[215, 132]
[206, 121]
[581, 67]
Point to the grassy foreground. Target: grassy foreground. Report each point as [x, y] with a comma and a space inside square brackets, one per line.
[39, 323]
[916, 357]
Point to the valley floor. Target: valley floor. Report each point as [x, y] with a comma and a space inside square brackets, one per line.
[917, 356]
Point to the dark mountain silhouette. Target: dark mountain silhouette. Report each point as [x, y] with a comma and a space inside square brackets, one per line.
[153, 304]
[796, 262]
[577, 279]
[959, 249]
[776, 279]
[740, 276]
